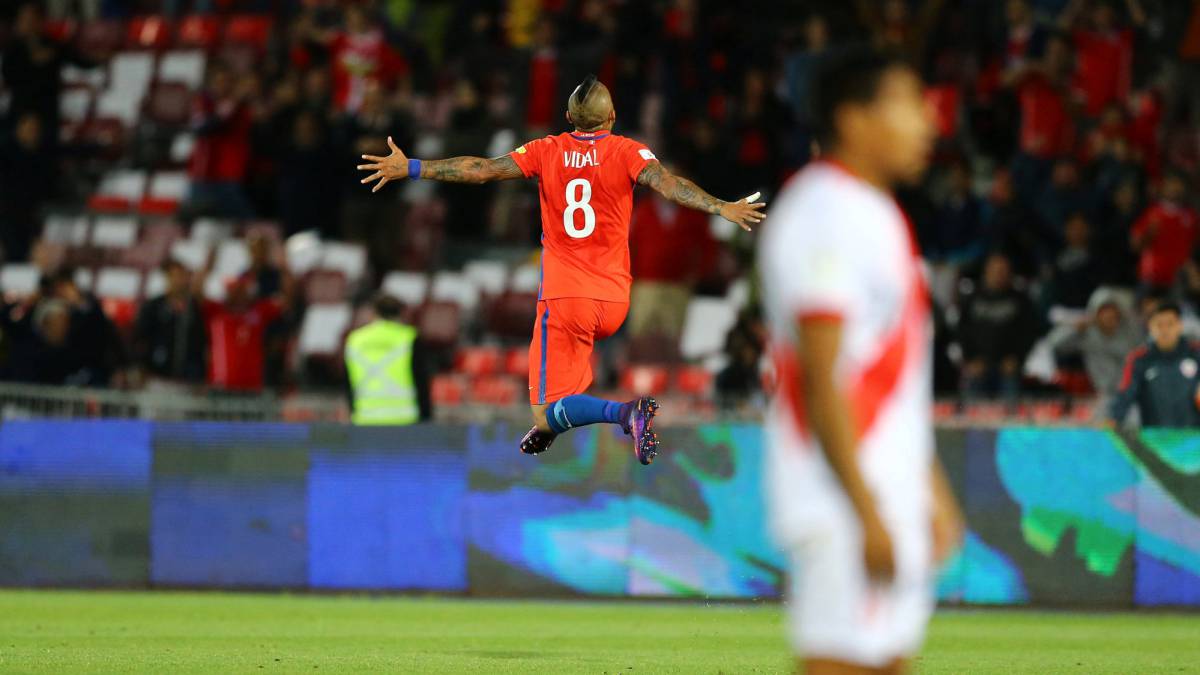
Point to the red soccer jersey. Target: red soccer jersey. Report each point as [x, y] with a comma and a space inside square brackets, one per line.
[586, 183]
[235, 340]
[1171, 245]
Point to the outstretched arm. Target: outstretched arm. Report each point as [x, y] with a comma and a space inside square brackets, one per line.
[686, 193]
[454, 170]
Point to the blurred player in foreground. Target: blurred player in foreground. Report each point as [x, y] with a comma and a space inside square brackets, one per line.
[586, 180]
[855, 492]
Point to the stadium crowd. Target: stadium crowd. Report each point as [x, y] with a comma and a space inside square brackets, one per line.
[1059, 210]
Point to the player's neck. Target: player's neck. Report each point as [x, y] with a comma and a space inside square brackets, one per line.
[860, 167]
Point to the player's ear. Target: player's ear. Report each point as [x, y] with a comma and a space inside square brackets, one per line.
[569, 120]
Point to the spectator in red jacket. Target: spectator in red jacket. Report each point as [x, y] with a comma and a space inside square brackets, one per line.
[1104, 52]
[668, 248]
[360, 55]
[1044, 94]
[221, 120]
[235, 337]
[1164, 236]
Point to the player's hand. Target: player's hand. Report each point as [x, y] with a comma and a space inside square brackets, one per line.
[948, 529]
[878, 556]
[744, 212]
[392, 167]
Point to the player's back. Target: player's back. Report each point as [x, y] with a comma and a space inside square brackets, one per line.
[586, 182]
[837, 247]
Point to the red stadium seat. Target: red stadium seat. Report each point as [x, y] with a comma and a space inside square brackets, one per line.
[516, 361]
[945, 102]
[478, 361]
[496, 390]
[168, 104]
[198, 31]
[249, 29]
[447, 390]
[148, 32]
[694, 380]
[643, 380]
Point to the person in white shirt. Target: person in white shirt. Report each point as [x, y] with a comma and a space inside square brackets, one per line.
[854, 489]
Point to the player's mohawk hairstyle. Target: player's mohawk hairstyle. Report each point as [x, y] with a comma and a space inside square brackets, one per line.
[584, 88]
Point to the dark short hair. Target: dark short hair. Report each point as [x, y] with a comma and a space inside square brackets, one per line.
[387, 307]
[849, 77]
[1167, 306]
[172, 264]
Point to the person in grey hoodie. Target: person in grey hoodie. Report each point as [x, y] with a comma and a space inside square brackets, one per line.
[1103, 338]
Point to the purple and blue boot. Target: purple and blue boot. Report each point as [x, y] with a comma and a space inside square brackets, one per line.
[639, 423]
[536, 442]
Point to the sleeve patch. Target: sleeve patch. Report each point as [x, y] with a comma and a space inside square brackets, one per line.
[646, 154]
[520, 150]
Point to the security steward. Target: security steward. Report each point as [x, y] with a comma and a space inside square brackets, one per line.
[386, 370]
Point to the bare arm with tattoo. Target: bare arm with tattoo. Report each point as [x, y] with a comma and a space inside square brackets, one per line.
[686, 193]
[454, 170]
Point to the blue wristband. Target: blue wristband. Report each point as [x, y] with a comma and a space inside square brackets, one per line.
[414, 169]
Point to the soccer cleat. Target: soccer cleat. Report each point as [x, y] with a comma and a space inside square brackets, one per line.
[639, 425]
[536, 442]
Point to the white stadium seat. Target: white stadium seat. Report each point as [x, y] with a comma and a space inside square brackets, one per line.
[114, 232]
[121, 283]
[192, 253]
[75, 104]
[708, 321]
[128, 185]
[323, 328]
[184, 66]
[233, 258]
[182, 147]
[211, 230]
[526, 279]
[156, 284]
[62, 229]
[19, 278]
[170, 185]
[130, 74]
[349, 259]
[455, 288]
[488, 275]
[407, 287]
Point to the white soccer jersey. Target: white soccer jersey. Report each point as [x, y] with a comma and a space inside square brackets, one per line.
[836, 246]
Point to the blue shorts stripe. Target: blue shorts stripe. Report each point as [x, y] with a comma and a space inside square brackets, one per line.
[542, 372]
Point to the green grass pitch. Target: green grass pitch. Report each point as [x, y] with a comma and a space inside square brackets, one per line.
[174, 632]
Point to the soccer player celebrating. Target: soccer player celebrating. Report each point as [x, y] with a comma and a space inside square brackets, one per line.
[586, 180]
[854, 489]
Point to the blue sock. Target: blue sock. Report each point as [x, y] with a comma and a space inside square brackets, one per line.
[580, 410]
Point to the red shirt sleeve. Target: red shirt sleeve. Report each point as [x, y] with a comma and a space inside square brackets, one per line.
[1143, 222]
[636, 159]
[269, 309]
[529, 156]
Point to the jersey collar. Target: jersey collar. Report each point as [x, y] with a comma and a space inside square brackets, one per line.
[589, 135]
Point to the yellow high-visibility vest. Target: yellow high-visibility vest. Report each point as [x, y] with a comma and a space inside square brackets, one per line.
[379, 364]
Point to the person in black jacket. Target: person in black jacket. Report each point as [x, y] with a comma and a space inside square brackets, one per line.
[27, 179]
[32, 63]
[997, 329]
[1162, 377]
[169, 336]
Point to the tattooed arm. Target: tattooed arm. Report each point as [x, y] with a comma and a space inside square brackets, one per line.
[454, 170]
[686, 193]
[470, 169]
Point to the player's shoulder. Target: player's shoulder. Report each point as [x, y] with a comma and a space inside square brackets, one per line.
[535, 144]
[825, 199]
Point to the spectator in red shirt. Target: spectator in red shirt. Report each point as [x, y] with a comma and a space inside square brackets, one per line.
[1043, 94]
[1164, 236]
[360, 55]
[235, 337]
[542, 103]
[1104, 52]
[668, 248]
[221, 120]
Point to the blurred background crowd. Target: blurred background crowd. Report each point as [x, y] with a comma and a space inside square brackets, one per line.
[179, 203]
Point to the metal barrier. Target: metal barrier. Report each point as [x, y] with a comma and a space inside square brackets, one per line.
[165, 403]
